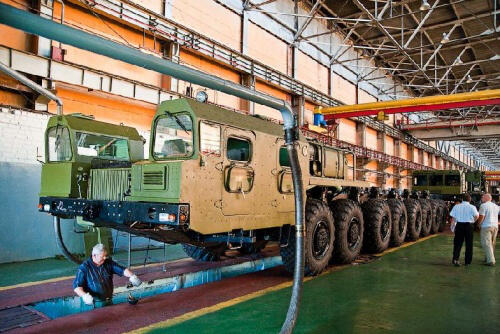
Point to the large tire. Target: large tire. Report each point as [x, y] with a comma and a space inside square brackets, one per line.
[378, 225]
[319, 240]
[414, 212]
[399, 221]
[205, 254]
[349, 227]
[256, 247]
[437, 213]
[427, 216]
[444, 217]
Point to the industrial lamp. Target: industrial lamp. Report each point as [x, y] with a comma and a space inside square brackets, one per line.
[445, 38]
[425, 5]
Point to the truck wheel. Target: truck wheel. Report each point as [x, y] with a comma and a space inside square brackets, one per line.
[349, 227]
[414, 212]
[378, 225]
[437, 212]
[319, 238]
[427, 216]
[399, 221]
[205, 254]
[256, 247]
[444, 217]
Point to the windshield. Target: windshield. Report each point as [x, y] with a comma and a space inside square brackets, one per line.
[173, 136]
[59, 144]
[105, 147]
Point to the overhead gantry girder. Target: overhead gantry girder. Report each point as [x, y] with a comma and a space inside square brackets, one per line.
[454, 130]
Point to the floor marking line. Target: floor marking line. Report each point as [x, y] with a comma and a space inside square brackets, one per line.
[228, 303]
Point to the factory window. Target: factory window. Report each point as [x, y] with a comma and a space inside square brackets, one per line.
[173, 137]
[210, 139]
[59, 144]
[238, 149]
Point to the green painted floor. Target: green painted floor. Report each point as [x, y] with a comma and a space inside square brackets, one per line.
[413, 290]
[39, 270]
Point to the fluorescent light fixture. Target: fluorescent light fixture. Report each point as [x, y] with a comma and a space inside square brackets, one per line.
[425, 5]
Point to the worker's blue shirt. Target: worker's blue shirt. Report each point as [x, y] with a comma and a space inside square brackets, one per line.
[97, 280]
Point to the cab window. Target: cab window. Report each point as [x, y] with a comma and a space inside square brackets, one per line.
[452, 180]
[59, 144]
[210, 139]
[104, 147]
[420, 180]
[238, 149]
[284, 159]
[173, 136]
[436, 180]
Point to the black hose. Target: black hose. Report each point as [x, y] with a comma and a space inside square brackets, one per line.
[60, 242]
[298, 275]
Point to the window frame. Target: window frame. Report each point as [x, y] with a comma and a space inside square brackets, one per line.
[47, 146]
[221, 148]
[100, 134]
[242, 138]
[153, 142]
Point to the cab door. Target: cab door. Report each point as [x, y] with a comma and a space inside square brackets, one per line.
[238, 195]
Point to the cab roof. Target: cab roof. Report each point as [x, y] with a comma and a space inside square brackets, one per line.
[83, 123]
[218, 114]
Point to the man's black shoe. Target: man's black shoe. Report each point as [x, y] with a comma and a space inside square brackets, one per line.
[456, 263]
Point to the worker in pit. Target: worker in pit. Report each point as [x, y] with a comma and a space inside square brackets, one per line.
[94, 278]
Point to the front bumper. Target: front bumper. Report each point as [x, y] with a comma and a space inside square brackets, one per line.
[118, 212]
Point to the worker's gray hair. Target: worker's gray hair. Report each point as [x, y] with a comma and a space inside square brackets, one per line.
[488, 197]
[98, 249]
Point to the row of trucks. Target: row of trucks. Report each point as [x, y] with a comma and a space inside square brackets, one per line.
[216, 180]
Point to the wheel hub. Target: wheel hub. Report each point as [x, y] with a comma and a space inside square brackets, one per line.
[384, 227]
[353, 234]
[321, 240]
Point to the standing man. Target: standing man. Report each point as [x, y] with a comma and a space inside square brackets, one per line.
[488, 220]
[94, 278]
[464, 215]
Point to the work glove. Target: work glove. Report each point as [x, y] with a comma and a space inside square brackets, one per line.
[88, 299]
[135, 280]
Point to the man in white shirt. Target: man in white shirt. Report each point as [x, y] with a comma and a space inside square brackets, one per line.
[488, 219]
[464, 215]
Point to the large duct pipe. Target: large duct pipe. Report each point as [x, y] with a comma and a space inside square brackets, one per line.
[37, 25]
[33, 85]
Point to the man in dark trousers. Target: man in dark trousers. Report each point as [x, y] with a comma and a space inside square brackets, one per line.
[94, 278]
[464, 215]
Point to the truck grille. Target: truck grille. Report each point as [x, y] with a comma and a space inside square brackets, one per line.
[154, 178]
[109, 184]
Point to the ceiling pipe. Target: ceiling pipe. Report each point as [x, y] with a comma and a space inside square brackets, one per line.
[33, 85]
[37, 25]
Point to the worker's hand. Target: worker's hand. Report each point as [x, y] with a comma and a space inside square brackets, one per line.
[88, 299]
[135, 280]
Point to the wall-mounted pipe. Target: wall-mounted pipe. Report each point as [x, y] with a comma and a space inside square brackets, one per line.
[37, 25]
[33, 85]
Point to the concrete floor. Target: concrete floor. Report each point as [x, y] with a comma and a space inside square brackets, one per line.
[410, 290]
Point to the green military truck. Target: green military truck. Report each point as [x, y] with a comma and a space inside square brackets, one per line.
[217, 179]
[77, 147]
[449, 185]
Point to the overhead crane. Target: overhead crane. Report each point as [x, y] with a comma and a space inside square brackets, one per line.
[420, 104]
